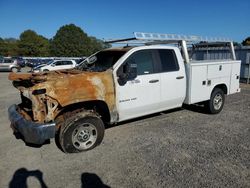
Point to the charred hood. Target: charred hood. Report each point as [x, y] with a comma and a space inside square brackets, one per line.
[70, 86]
[30, 79]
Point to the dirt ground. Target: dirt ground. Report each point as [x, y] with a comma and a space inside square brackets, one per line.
[179, 148]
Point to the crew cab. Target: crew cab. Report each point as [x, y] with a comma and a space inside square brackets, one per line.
[115, 85]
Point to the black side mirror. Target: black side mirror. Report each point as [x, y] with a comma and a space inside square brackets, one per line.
[127, 72]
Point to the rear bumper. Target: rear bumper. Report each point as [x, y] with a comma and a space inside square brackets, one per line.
[35, 133]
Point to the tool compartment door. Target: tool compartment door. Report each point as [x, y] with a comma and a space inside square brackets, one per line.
[235, 76]
[197, 89]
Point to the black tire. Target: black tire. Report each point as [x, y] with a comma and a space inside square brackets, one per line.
[216, 102]
[45, 70]
[81, 132]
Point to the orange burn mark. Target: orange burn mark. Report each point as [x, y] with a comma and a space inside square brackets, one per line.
[18, 77]
[69, 87]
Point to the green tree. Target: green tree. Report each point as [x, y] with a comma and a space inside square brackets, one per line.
[11, 46]
[246, 42]
[3, 47]
[8, 47]
[12, 49]
[32, 44]
[71, 40]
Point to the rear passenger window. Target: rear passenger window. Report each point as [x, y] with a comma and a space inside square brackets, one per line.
[168, 60]
[144, 61]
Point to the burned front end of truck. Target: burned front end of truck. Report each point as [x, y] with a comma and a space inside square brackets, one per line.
[74, 103]
[34, 116]
[45, 97]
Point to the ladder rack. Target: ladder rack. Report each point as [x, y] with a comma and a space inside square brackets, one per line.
[182, 40]
[147, 38]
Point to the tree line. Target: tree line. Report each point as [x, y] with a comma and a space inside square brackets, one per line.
[246, 42]
[69, 41]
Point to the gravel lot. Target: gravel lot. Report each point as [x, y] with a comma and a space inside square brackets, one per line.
[180, 148]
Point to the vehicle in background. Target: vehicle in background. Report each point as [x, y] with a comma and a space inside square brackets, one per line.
[40, 65]
[33, 63]
[10, 64]
[19, 61]
[1, 59]
[56, 65]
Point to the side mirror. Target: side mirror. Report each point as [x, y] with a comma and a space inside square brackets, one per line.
[52, 65]
[127, 72]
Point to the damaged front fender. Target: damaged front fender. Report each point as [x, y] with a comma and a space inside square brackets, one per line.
[59, 89]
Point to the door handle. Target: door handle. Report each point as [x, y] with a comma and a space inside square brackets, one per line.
[179, 77]
[153, 81]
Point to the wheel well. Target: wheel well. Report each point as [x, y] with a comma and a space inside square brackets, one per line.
[99, 106]
[223, 87]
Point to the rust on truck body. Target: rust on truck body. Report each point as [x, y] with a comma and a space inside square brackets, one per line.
[63, 88]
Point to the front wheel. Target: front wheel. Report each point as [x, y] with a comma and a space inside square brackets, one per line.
[216, 102]
[82, 132]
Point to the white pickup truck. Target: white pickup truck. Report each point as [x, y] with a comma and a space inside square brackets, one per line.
[118, 84]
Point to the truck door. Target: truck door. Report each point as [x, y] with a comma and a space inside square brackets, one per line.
[173, 79]
[139, 96]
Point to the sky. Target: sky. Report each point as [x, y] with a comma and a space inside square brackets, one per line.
[106, 19]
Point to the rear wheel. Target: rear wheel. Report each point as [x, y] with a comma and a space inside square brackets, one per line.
[216, 102]
[45, 70]
[81, 132]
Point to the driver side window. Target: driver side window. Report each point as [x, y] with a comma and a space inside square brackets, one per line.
[144, 61]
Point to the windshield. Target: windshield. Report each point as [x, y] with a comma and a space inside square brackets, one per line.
[101, 61]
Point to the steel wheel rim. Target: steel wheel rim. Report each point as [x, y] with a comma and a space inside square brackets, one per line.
[84, 136]
[217, 102]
